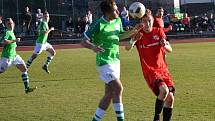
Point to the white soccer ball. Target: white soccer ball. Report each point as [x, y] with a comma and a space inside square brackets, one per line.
[137, 10]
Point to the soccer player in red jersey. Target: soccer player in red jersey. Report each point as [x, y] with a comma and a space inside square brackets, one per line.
[158, 20]
[151, 47]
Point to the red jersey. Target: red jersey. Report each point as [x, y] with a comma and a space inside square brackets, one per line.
[158, 22]
[152, 58]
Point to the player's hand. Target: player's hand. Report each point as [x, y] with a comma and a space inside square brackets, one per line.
[98, 49]
[52, 28]
[163, 42]
[17, 39]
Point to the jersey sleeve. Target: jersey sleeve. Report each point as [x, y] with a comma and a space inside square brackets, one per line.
[162, 33]
[5, 36]
[93, 30]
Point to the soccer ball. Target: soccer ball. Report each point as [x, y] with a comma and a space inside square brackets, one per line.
[137, 10]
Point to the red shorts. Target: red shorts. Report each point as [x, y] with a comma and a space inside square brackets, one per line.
[157, 78]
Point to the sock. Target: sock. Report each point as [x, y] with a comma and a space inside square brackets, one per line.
[99, 114]
[158, 108]
[167, 114]
[118, 107]
[25, 80]
[29, 62]
[48, 61]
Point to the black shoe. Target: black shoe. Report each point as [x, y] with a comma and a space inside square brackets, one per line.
[29, 89]
[45, 68]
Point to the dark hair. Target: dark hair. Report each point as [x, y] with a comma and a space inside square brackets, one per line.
[8, 19]
[107, 6]
[46, 12]
[160, 8]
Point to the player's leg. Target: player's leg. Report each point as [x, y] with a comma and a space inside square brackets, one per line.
[51, 55]
[4, 64]
[20, 64]
[117, 88]
[161, 96]
[104, 104]
[168, 106]
[37, 50]
[31, 59]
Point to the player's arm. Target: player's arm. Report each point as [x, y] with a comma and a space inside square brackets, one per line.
[5, 39]
[129, 34]
[5, 42]
[87, 44]
[43, 29]
[164, 42]
[166, 45]
[136, 35]
[48, 31]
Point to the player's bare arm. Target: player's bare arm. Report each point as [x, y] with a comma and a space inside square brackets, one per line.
[49, 30]
[86, 43]
[166, 45]
[10, 41]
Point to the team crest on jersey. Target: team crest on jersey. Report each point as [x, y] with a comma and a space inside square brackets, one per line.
[156, 37]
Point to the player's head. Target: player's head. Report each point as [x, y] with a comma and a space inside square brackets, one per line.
[9, 23]
[109, 9]
[46, 16]
[160, 12]
[39, 10]
[147, 20]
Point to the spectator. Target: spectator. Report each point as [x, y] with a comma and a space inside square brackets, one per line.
[84, 24]
[166, 20]
[78, 27]
[89, 16]
[211, 23]
[125, 17]
[194, 24]
[2, 27]
[26, 20]
[186, 22]
[204, 22]
[158, 20]
[69, 25]
[39, 17]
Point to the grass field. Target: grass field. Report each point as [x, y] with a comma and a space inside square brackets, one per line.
[72, 91]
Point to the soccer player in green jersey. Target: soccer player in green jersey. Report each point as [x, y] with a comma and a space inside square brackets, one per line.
[103, 38]
[9, 56]
[42, 44]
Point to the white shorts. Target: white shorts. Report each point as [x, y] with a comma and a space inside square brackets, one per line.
[41, 47]
[6, 62]
[109, 72]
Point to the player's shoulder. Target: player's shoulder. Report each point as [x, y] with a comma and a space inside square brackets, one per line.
[96, 23]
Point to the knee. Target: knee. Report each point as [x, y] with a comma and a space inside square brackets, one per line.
[54, 53]
[169, 100]
[164, 91]
[119, 90]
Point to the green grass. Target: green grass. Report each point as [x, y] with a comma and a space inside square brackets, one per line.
[72, 91]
